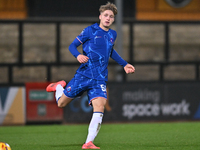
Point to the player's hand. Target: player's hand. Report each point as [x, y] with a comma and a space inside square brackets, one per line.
[129, 68]
[82, 58]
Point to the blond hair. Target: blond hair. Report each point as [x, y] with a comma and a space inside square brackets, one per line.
[108, 6]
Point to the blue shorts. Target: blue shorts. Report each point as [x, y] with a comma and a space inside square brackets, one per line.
[79, 84]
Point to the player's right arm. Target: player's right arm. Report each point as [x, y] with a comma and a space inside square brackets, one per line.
[73, 49]
[80, 39]
[82, 58]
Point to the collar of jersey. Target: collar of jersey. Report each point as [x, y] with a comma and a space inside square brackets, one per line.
[96, 26]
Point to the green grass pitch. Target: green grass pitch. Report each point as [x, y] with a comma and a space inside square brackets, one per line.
[128, 136]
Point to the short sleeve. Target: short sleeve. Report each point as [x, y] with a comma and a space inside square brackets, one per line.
[84, 35]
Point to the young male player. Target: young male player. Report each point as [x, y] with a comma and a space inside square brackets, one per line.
[97, 42]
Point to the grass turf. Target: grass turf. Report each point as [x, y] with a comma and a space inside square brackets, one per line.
[136, 136]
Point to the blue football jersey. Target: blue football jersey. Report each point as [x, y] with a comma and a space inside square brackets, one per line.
[98, 45]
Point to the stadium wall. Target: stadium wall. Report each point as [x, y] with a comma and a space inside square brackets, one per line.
[127, 102]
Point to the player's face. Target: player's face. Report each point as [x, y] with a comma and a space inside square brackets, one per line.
[106, 19]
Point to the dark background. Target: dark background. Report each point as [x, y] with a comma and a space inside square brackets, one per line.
[73, 8]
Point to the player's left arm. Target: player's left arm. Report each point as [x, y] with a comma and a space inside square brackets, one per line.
[128, 68]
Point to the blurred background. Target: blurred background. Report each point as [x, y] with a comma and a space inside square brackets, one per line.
[161, 38]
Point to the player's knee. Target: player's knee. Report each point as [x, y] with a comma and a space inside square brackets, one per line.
[102, 107]
[61, 104]
[99, 108]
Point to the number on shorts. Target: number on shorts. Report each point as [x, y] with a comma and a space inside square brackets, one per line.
[103, 87]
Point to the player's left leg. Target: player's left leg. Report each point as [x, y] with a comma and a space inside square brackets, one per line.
[95, 123]
[98, 97]
[99, 104]
[107, 106]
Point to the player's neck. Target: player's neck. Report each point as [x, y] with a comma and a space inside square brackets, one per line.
[103, 27]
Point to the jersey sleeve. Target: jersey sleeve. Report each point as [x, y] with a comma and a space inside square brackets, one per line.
[84, 35]
[80, 39]
[115, 56]
[73, 48]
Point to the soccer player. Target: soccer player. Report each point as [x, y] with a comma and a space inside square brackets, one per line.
[97, 42]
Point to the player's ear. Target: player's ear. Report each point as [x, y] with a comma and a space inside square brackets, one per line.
[100, 17]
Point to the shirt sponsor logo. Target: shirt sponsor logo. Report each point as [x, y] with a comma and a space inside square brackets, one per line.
[98, 36]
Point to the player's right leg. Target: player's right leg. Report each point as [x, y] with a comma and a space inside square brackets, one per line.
[57, 87]
[52, 87]
[63, 101]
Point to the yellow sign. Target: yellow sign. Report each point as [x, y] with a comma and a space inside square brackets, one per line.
[12, 105]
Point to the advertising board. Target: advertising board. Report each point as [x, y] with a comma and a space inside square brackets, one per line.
[12, 106]
[143, 101]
